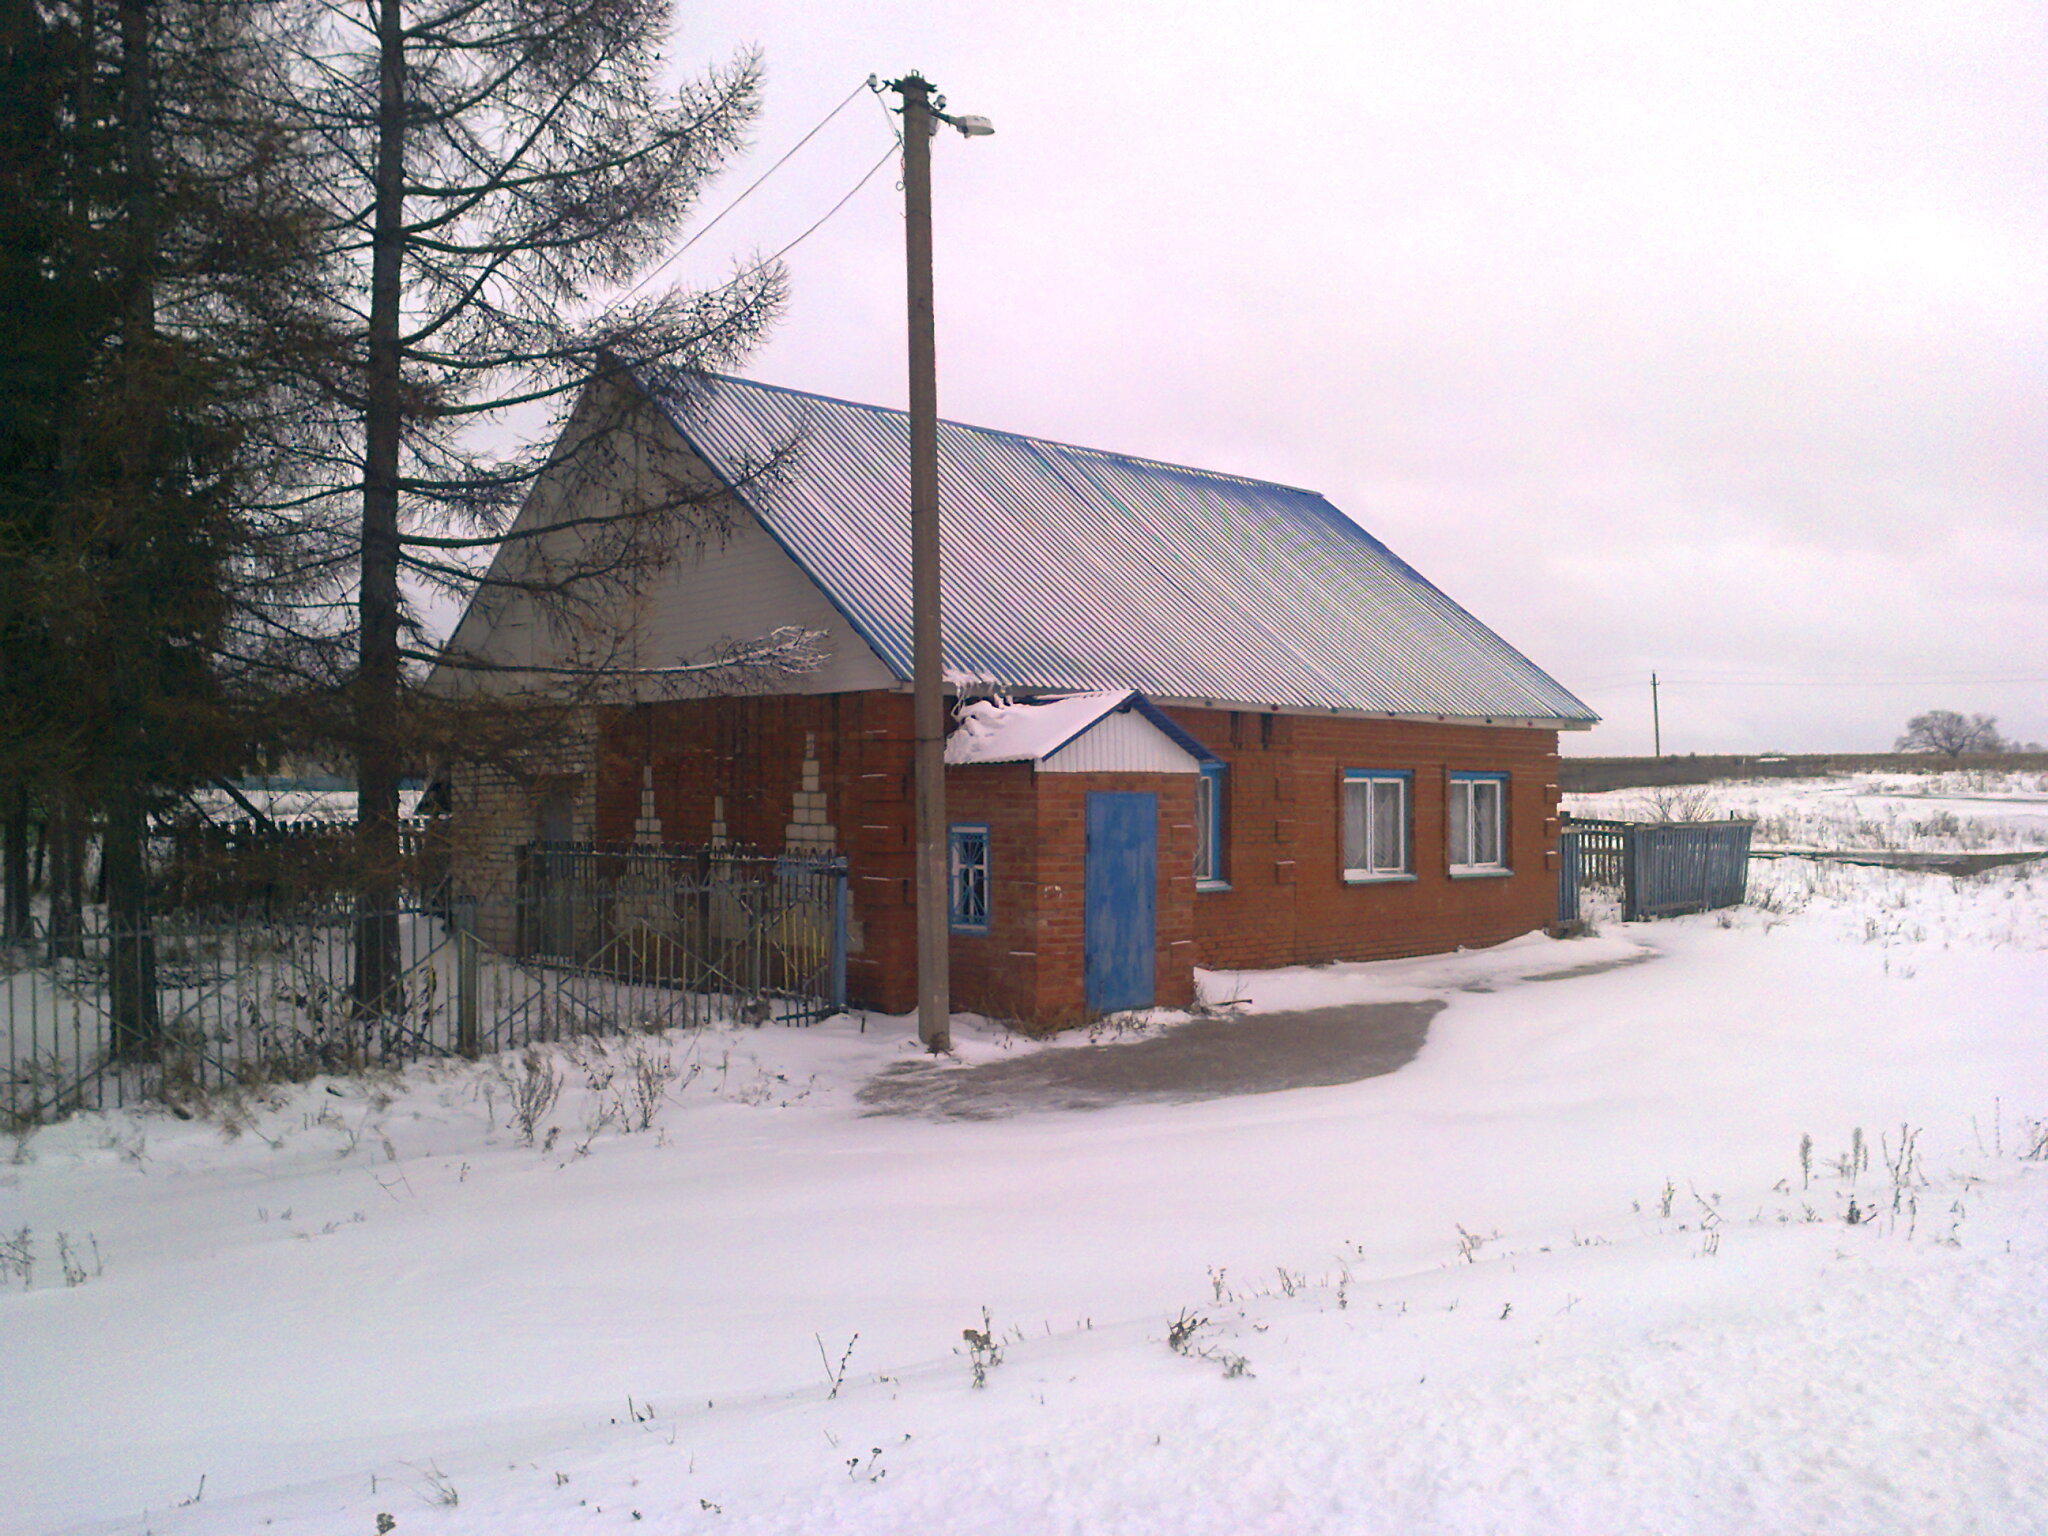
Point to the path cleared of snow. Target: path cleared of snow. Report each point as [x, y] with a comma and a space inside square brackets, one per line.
[1564, 1271]
[1205, 1058]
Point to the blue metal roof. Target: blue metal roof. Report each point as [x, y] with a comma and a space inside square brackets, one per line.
[1070, 569]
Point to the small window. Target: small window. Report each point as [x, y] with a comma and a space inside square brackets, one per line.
[1479, 804]
[1209, 865]
[1375, 825]
[969, 878]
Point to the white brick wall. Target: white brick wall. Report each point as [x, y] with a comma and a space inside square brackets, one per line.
[495, 811]
[810, 828]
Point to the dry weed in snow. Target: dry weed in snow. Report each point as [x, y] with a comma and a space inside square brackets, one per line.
[1730, 1224]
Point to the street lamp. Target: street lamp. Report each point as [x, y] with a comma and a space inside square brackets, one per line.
[922, 112]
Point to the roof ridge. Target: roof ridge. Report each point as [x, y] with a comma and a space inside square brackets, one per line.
[1022, 437]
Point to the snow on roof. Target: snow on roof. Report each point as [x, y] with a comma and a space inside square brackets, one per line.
[994, 731]
[1041, 730]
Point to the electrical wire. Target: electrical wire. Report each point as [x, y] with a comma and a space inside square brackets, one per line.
[887, 155]
[649, 276]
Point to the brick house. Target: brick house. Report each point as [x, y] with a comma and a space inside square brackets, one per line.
[1200, 720]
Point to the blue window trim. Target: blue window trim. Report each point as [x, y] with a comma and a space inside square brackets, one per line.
[1406, 778]
[1500, 867]
[1217, 775]
[957, 833]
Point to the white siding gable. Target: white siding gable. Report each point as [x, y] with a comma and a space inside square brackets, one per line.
[730, 588]
[745, 587]
[1123, 742]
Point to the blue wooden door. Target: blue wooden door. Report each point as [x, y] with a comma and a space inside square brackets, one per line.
[1120, 924]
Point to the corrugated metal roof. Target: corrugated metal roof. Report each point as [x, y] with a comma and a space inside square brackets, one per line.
[1074, 570]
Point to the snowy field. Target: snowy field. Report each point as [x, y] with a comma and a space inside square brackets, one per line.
[1586, 1265]
[1964, 811]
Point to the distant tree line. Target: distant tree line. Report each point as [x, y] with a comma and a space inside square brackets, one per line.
[266, 268]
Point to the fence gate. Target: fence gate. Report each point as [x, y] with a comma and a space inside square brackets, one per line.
[764, 935]
[1678, 867]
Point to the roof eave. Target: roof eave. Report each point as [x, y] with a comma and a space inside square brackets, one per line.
[1420, 716]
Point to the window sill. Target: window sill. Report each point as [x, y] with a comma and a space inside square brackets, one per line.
[1212, 885]
[1477, 872]
[969, 933]
[1351, 878]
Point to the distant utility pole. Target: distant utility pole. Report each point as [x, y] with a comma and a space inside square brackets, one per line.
[922, 112]
[1656, 720]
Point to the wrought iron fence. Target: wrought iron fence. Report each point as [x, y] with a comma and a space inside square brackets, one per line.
[716, 920]
[1659, 869]
[598, 943]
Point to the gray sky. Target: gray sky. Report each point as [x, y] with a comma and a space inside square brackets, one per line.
[1702, 339]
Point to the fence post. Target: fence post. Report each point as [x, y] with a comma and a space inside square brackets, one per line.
[840, 915]
[522, 900]
[467, 978]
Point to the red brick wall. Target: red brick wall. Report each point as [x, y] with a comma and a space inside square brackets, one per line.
[1063, 843]
[1031, 964]
[998, 973]
[876, 832]
[750, 752]
[1288, 903]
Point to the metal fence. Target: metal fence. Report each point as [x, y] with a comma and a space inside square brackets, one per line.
[1659, 869]
[598, 942]
[715, 920]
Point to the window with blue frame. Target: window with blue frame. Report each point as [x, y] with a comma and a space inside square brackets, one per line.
[1210, 868]
[969, 877]
[1479, 823]
[1376, 824]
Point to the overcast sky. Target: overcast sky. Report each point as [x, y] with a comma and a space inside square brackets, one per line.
[1703, 339]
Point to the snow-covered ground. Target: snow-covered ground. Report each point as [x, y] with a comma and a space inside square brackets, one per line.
[1568, 1271]
[1962, 811]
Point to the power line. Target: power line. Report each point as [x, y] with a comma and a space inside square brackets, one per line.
[866, 177]
[865, 85]
[887, 155]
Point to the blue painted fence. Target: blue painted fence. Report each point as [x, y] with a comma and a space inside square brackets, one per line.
[1661, 869]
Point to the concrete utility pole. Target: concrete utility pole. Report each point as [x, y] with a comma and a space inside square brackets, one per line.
[1656, 719]
[921, 115]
